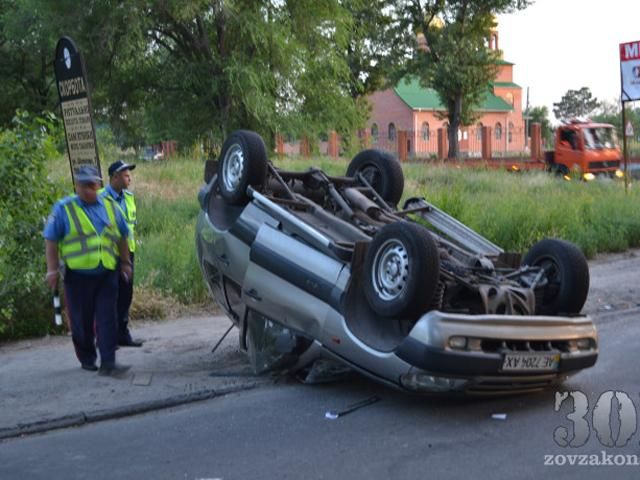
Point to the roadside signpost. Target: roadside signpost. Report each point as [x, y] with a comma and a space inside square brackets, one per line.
[628, 129]
[629, 91]
[73, 90]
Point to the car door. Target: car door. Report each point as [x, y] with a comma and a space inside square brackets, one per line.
[569, 148]
[291, 282]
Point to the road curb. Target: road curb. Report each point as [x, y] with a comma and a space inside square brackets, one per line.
[76, 420]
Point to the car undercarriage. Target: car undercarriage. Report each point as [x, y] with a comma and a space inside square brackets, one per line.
[322, 257]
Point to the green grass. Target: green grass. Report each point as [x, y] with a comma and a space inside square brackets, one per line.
[513, 210]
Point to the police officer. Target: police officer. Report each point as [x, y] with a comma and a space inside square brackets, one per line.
[119, 180]
[89, 233]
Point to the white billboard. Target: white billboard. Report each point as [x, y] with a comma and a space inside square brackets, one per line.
[630, 70]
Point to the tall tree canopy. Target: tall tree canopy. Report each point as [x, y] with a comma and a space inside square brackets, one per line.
[26, 39]
[197, 69]
[575, 104]
[456, 60]
[193, 70]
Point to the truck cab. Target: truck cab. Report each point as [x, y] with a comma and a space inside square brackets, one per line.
[590, 148]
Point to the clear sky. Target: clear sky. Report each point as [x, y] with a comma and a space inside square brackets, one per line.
[560, 45]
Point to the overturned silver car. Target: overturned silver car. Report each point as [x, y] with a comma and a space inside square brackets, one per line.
[311, 266]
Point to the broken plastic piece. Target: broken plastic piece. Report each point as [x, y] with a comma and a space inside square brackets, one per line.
[499, 416]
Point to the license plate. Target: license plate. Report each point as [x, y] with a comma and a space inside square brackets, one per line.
[524, 362]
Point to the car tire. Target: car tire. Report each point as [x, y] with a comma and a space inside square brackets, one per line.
[562, 170]
[242, 163]
[567, 273]
[382, 170]
[401, 270]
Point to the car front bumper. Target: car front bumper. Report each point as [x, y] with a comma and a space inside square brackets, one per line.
[436, 365]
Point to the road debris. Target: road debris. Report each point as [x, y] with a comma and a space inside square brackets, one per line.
[335, 414]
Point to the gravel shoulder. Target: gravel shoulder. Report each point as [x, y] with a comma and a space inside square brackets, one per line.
[615, 283]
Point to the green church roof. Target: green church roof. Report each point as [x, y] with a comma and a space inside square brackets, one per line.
[420, 98]
[506, 84]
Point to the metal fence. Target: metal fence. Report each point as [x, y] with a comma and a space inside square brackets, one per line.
[424, 144]
[509, 142]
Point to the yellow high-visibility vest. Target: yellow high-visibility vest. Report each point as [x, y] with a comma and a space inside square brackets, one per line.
[129, 215]
[83, 248]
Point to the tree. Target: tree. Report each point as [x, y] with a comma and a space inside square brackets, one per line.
[456, 60]
[26, 196]
[25, 59]
[371, 47]
[195, 70]
[575, 104]
[540, 115]
[611, 112]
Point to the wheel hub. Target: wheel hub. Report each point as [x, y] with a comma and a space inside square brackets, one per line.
[390, 270]
[371, 175]
[233, 166]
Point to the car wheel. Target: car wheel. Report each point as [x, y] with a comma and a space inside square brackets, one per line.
[383, 172]
[567, 274]
[402, 269]
[242, 163]
[562, 170]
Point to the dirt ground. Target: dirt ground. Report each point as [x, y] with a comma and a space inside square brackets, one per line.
[614, 282]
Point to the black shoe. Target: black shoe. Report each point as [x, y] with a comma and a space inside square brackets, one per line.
[89, 366]
[113, 370]
[130, 342]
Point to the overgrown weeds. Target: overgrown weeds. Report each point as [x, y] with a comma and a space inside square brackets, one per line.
[513, 210]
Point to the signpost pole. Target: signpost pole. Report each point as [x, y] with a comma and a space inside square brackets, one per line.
[526, 117]
[624, 147]
[75, 103]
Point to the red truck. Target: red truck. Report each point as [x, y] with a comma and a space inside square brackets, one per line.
[588, 148]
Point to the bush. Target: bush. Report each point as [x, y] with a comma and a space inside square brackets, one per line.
[26, 196]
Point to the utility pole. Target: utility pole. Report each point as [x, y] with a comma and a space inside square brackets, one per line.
[624, 146]
[526, 117]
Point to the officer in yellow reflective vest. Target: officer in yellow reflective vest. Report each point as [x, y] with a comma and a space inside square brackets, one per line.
[119, 180]
[89, 234]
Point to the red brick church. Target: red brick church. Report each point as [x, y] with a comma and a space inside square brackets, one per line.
[411, 108]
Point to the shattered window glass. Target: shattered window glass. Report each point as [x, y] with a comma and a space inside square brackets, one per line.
[272, 346]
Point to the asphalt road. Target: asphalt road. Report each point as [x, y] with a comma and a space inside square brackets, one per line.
[281, 432]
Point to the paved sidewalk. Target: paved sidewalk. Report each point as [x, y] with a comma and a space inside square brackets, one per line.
[43, 386]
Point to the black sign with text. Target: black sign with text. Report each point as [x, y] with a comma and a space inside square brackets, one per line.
[73, 90]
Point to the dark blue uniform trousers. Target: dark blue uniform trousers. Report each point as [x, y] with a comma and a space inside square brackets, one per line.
[91, 305]
[125, 296]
